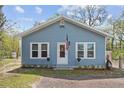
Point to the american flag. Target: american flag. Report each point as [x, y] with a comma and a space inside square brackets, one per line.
[67, 42]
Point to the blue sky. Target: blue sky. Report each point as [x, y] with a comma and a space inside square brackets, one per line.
[28, 14]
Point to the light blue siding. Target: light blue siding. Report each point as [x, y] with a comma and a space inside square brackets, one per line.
[54, 34]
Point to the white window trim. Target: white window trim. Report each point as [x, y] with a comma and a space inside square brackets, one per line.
[85, 50]
[94, 50]
[39, 50]
[76, 49]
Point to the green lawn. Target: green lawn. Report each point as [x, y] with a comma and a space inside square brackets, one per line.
[68, 73]
[5, 62]
[15, 79]
[25, 77]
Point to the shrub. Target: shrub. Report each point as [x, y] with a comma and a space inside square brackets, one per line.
[116, 53]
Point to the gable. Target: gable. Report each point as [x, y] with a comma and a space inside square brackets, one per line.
[54, 33]
[78, 30]
[58, 19]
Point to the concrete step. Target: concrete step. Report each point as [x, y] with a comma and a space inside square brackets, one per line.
[63, 68]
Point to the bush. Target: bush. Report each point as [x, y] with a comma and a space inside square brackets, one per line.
[116, 53]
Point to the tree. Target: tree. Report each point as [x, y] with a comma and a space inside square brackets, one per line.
[10, 44]
[91, 15]
[2, 19]
[2, 23]
[5, 50]
[119, 27]
[110, 29]
[8, 41]
[14, 41]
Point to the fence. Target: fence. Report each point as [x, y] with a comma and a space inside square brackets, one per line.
[118, 63]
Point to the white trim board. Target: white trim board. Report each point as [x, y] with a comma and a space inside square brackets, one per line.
[39, 50]
[85, 49]
[63, 60]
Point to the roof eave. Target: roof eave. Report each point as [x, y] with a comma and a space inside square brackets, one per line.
[87, 27]
[33, 29]
[39, 27]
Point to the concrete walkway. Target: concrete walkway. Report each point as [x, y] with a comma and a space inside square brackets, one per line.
[47, 82]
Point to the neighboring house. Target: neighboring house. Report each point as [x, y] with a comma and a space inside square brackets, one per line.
[63, 42]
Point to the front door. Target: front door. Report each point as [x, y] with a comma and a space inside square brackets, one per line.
[62, 53]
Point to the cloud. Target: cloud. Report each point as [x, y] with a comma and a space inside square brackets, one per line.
[70, 13]
[69, 8]
[83, 6]
[109, 16]
[25, 19]
[38, 10]
[25, 23]
[63, 8]
[19, 9]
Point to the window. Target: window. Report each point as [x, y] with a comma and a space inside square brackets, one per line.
[80, 50]
[44, 50]
[85, 50]
[90, 50]
[40, 50]
[34, 50]
[62, 51]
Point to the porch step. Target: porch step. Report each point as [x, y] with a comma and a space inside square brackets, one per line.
[63, 68]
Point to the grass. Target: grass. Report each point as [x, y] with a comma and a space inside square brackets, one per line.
[5, 62]
[68, 73]
[25, 77]
[15, 80]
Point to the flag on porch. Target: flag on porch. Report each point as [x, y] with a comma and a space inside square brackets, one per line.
[67, 42]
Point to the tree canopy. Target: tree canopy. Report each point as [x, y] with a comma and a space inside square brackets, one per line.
[91, 15]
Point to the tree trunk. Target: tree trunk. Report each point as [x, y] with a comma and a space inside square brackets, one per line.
[116, 45]
[112, 44]
[120, 43]
[120, 62]
[17, 53]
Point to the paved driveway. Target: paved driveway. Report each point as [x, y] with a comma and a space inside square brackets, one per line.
[48, 82]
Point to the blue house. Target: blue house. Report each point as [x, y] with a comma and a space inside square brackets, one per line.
[63, 42]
